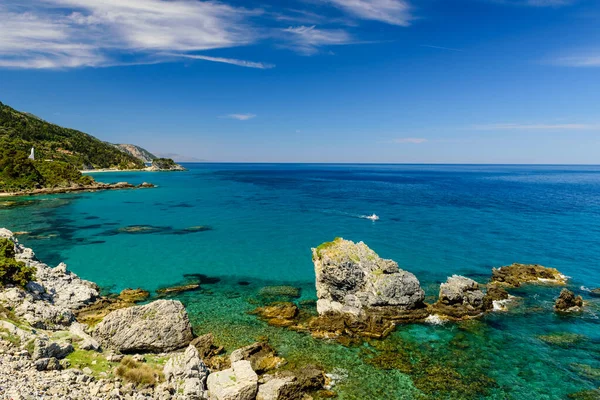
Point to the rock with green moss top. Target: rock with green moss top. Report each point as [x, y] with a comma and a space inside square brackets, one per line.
[352, 278]
[567, 302]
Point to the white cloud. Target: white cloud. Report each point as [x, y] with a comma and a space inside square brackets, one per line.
[494, 127]
[307, 39]
[75, 33]
[233, 61]
[395, 12]
[409, 140]
[240, 117]
[590, 60]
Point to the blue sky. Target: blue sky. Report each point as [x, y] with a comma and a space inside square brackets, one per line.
[448, 81]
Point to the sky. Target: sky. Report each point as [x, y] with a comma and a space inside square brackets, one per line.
[357, 81]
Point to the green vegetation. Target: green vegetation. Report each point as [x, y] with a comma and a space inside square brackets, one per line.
[91, 359]
[326, 245]
[138, 373]
[164, 163]
[13, 271]
[60, 153]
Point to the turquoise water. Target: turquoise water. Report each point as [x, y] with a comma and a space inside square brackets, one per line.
[435, 221]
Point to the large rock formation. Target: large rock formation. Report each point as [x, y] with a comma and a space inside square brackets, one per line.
[461, 297]
[160, 326]
[352, 278]
[516, 274]
[568, 302]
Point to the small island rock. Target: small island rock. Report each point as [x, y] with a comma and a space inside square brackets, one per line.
[568, 302]
[516, 274]
[461, 297]
[160, 326]
[351, 278]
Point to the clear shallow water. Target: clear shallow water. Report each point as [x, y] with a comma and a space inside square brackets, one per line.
[435, 221]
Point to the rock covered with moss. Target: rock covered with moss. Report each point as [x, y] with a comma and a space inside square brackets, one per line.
[160, 326]
[568, 302]
[352, 278]
[516, 274]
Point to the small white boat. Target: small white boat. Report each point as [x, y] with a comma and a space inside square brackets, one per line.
[373, 217]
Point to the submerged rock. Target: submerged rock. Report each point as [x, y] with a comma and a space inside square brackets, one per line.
[516, 274]
[461, 297]
[280, 292]
[595, 292]
[94, 313]
[278, 314]
[160, 326]
[262, 357]
[568, 302]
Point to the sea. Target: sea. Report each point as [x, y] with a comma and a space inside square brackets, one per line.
[238, 228]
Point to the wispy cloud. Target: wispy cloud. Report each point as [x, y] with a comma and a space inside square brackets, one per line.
[75, 33]
[395, 12]
[537, 3]
[441, 48]
[239, 117]
[522, 127]
[307, 39]
[589, 60]
[408, 141]
[233, 61]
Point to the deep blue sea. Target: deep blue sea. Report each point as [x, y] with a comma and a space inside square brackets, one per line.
[261, 221]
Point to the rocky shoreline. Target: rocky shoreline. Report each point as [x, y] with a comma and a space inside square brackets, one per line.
[96, 186]
[60, 339]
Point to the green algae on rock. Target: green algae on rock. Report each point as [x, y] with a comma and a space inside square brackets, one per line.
[563, 339]
[567, 302]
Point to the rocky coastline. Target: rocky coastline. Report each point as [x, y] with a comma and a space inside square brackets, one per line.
[94, 187]
[59, 338]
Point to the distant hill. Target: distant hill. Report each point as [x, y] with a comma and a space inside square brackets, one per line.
[21, 131]
[137, 152]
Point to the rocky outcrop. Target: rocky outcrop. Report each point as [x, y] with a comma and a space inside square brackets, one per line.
[48, 301]
[291, 385]
[93, 187]
[461, 297]
[516, 274]
[239, 382]
[160, 326]
[187, 374]
[595, 292]
[352, 279]
[261, 356]
[567, 302]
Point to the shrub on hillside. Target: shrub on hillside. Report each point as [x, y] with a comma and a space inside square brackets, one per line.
[12, 271]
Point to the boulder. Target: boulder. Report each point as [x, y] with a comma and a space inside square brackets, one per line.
[160, 326]
[291, 385]
[595, 292]
[239, 382]
[205, 345]
[44, 348]
[351, 278]
[516, 274]
[187, 374]
[276, 388]
[87, 342]
[460, 297]
[568, 302]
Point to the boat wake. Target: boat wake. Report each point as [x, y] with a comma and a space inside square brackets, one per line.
[373, 217]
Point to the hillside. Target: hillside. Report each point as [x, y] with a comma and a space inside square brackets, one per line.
[21, 131]
[137, 152]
